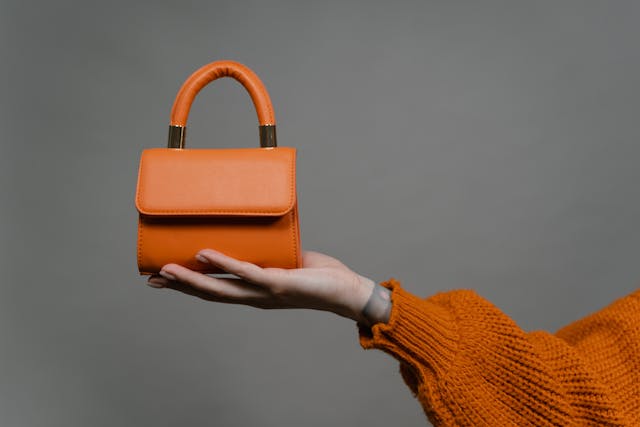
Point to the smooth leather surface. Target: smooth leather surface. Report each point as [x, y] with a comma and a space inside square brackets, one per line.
[265, 241]
[240, 201]
[204, 182]
[210, 72]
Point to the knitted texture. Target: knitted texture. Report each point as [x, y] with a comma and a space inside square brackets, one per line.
[469, 364]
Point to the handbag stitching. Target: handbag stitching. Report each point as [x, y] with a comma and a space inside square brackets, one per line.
[293, 228]
[139, 242]
[215, 211]
[292, 212]
[236, 75]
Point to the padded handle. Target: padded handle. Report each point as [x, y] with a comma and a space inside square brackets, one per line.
[210, 72]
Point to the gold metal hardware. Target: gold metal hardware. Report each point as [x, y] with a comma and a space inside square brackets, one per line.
[176, 136]
[268, 136]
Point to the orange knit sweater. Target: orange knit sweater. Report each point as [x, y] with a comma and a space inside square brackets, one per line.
[469, 364]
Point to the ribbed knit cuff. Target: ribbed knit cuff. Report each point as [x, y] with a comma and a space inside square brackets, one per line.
[470, 364]
[419, 332]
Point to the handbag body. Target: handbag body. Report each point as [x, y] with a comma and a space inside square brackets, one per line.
[239, 201]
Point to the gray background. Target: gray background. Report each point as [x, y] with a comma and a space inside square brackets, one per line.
[481, 144]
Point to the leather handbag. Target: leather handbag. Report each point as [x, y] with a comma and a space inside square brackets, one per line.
[239, 201]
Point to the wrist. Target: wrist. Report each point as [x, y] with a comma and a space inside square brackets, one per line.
[372, 304]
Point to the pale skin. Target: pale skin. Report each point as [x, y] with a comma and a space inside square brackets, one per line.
[322, 283]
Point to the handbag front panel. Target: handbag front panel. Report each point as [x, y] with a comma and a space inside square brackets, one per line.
[265, 241]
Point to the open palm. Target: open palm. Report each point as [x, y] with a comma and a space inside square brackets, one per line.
[323, 283]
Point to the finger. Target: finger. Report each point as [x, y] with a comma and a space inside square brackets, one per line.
[260, 302]
[226, 290]
[311, 259]
[157, 281]
[190, 290]
[271, 277]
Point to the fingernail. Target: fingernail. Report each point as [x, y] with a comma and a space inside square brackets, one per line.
[156, 282]
[166, 275]
[155, 285]
[202, 259]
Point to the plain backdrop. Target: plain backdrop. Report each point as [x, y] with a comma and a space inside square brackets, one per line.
[490, 145]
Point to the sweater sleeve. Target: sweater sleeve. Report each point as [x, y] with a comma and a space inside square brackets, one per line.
[469, 364]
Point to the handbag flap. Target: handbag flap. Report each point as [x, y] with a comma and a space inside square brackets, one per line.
[205, 182]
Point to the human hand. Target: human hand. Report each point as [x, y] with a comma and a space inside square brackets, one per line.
[323, 283]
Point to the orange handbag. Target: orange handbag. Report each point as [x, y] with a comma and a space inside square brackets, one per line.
[240, 201]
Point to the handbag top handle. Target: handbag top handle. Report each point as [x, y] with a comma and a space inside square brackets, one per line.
[205, 75]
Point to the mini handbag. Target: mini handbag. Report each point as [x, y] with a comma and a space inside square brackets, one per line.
[239, 201]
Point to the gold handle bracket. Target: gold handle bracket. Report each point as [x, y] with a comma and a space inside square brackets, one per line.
[177, 136]
[268, 136]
